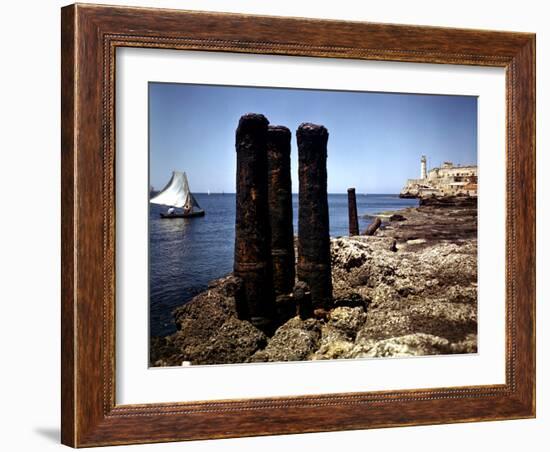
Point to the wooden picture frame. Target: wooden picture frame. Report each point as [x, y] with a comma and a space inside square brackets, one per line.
[90, 36]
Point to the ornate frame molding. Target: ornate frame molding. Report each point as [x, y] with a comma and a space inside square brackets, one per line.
[90, 36]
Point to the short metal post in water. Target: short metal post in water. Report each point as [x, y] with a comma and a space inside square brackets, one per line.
[352, 213]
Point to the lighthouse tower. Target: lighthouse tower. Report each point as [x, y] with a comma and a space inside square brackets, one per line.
[423, 174]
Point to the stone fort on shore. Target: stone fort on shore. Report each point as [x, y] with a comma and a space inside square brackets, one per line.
[446, 180]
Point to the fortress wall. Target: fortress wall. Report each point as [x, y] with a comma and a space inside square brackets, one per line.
[458, 171]
[415, 181]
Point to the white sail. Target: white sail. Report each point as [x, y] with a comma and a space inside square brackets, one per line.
[176, 193]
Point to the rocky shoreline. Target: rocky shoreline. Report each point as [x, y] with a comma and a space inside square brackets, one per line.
[409, 289]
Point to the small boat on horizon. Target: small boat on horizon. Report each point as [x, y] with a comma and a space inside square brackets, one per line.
[178, 197]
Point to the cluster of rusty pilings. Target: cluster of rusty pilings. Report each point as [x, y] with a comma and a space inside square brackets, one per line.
[264, 235]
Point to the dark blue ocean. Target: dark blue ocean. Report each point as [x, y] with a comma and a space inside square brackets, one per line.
[186, 253]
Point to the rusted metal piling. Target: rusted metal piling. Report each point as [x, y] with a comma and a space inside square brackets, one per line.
[302, 298]
[280, 209]
[313, 221]
[352, 213]
[252, 233]
[373, 227]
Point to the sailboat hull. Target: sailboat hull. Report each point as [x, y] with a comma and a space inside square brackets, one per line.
[197, 213]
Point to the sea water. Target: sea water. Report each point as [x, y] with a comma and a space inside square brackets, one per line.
[187, 253]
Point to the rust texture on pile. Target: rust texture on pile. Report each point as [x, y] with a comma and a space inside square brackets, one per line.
[252, 233]
[280, 209]
[313, 220]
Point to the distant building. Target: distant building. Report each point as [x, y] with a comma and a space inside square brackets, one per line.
[447, 180]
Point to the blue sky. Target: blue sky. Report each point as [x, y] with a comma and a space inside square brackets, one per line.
[375, 139]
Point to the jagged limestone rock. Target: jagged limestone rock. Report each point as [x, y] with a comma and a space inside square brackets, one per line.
[294, 341]
[347, 320]
[418, 344]
[235, 341]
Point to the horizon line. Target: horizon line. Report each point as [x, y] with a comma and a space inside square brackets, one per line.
[294, 193]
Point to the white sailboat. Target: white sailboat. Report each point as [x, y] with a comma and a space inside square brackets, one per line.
[177, 195]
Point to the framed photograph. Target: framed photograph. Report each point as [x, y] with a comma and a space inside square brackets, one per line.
[281, 225]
